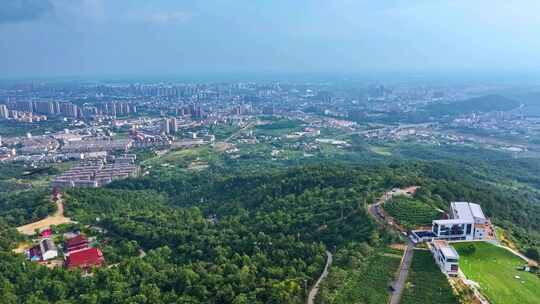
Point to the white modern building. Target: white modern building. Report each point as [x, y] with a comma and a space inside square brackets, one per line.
[446, 257]
[48, 249]
[467, 222]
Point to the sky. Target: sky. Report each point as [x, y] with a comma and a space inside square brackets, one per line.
[49, 38]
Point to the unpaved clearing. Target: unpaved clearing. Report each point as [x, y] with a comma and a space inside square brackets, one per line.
[22, 247]
[57, 218]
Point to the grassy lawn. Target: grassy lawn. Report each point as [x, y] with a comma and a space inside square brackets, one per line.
[183, 158]
[384, 151]
[279, 128]
[367, 284]
[426, 283]
[411, 212]
[494, 268]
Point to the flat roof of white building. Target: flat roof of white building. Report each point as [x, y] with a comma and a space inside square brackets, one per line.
[453, 221]
[461, 210]
[467, 211]
[448, 251]
[477, 211]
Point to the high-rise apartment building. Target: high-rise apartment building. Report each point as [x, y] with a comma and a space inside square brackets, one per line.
[4, 112]
[165, 126]
[173, 125]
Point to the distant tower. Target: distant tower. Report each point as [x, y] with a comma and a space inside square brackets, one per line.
[165, 126]
[4, 112]
[173, 126]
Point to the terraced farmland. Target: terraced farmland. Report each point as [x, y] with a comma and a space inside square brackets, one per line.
[410, 212]
[426, 283]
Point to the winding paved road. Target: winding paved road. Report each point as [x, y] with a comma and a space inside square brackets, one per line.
[375, 210]
[399, 284]
[315, 289]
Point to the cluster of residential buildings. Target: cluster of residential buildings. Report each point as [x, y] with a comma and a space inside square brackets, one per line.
[61, 147]
[97, 173]
[95, 145]
[28, 109]
[21, 116]
[51, 108]
[115, 108]
[76, 251]
[36, 145]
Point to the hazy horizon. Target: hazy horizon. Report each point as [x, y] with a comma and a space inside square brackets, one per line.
[52, 38]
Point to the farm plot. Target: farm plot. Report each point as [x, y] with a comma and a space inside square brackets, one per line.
[365, 283]
[410, 212]
[426, 282]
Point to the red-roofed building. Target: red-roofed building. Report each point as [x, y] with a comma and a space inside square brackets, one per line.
[85, 258]
[46, 233]
[76, 243]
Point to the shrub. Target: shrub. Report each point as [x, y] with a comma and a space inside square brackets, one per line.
[469, 249]
[533, 253]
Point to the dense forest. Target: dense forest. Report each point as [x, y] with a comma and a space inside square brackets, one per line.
[240, 235]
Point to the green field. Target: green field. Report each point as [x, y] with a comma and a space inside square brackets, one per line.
[411, 212]
[426, 283]
[184, 159]
[279, 127]
[384, 151]
[494, 268]
[368, 283]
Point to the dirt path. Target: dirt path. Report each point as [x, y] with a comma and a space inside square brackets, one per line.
[315, 289]
[521, 255]
[56, 219]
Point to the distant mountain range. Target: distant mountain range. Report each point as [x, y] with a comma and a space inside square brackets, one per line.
[480, 104]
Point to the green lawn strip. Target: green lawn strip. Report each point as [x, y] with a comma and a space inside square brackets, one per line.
[426, 283]
[495, 269]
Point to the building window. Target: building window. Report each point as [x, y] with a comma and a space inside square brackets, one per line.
[469, 228]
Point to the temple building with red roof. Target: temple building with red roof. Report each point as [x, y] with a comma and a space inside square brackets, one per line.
[85, 258]
[76, 243]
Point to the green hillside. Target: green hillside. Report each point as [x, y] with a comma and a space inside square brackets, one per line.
[477, 104]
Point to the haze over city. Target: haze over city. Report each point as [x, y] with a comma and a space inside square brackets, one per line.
[269, 151]
[95, 37]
